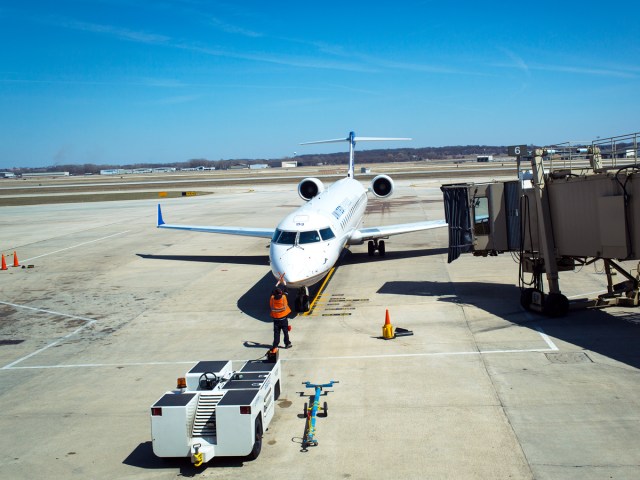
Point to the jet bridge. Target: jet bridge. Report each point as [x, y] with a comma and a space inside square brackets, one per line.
[578, 203]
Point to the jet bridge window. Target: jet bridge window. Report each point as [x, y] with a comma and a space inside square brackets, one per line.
[286, 238]
[481, 216]
[327, 233]
[309, 237]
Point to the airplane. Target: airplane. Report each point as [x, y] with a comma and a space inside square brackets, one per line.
[307, 243]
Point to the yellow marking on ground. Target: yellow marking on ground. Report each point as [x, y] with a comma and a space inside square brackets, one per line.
[319, 294]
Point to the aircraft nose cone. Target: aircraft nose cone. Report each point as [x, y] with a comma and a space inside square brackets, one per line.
[288, 264]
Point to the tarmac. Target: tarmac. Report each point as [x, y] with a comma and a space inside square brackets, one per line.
[114, 310]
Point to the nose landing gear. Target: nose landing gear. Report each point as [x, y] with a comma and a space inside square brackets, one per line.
[302, 300]
[374, 245]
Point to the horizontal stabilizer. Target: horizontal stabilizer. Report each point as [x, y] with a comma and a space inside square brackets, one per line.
[357, 139]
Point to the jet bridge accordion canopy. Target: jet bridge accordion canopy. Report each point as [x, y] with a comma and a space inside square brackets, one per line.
[590, 215]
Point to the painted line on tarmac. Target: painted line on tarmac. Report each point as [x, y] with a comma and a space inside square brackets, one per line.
[76, 246]
[320, 291]
[304, 359]
[93, 365]
[89, 321]
[548, 340]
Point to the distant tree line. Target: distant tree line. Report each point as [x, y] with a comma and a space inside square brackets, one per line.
[363, 156]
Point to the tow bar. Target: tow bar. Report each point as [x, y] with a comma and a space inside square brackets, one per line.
[311, 412]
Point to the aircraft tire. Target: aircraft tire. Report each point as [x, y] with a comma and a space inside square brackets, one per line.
[306, 306]
[298, 304]
[371, 248]
[381, 248]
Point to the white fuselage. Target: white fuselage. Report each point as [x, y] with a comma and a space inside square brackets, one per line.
[308, 242]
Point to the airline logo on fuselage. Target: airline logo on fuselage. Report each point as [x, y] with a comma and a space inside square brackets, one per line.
[338, 212]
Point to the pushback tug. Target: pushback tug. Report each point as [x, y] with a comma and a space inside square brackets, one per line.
[216, 411]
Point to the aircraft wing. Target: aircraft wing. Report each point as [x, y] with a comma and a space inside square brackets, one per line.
[242, 231]
[371, 233]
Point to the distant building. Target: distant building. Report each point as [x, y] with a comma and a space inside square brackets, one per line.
[7, 175]
[238, 166]
[484, 158]
[45, 174]
[258, 166]
[289, 164]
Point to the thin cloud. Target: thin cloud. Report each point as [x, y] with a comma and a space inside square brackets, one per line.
[118, 32]
[584, 71]
[518, 62]
[233, 29]
[362, 63]
[175, 100]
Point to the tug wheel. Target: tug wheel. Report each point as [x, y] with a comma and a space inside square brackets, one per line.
[257, 444]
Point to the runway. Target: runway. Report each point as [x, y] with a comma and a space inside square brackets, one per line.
[114, 310]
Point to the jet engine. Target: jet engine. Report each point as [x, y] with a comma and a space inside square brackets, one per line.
[309, 188]
[381, 186]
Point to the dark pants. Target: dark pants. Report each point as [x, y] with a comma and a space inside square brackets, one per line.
[278, 325]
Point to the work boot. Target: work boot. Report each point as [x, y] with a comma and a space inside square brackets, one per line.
[288, 345]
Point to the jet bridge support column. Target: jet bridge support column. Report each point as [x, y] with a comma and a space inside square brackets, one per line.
[554, 303]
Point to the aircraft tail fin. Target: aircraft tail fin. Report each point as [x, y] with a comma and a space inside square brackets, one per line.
[160, 220]
[352, 139]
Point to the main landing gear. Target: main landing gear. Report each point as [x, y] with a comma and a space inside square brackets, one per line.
[302, 300]
[374, 245]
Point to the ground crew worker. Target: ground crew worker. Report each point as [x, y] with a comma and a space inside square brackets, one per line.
[279, 312]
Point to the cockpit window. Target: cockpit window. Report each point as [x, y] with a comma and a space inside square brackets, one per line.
[309, 237]
[327, 233]
[286, 238]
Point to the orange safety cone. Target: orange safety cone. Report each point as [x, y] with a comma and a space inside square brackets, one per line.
[15, 259]
[4, 263]
[387, 328]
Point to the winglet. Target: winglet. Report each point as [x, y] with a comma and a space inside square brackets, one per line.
[160, 220]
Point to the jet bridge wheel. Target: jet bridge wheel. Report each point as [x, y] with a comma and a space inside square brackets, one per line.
[526, 297]
[556, 305]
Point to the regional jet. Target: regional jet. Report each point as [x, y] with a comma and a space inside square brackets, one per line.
[307, 243]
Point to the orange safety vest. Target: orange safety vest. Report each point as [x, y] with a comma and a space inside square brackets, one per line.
[280, 307]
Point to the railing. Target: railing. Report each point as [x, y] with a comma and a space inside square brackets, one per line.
[621, 150]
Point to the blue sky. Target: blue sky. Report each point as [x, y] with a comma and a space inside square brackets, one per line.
[127, 81]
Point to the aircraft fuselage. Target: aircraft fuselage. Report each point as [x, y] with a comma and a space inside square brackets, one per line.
[307, 243]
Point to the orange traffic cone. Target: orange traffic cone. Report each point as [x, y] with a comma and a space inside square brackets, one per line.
[387, 328]
[4, 263]
[15, 259]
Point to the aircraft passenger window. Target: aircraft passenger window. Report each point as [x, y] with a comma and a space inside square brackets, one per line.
[481, 216]
[287, 238]
[309, 237]
[327, 234]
